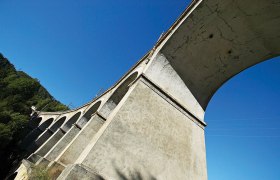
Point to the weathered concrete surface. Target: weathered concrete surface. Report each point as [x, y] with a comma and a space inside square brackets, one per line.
[44, 149]
[39, 141]
[55, 169]
[23, 171]
[53, 143]
[74, 172]
[155, 139]
[35, 133]
[77, 145]
[161, 73]
[62, 143]
[154, 115]
[218, 39]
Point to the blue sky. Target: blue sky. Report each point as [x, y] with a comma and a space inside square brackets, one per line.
[77, 48]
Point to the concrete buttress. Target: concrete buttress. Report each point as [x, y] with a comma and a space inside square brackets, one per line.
[150, 124]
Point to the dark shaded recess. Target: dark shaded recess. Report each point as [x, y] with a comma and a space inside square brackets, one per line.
[12, 177]
[89, 112]
[92, 110]
[45, 124]
[71, 121]
[34, 122]
[57, 124]
[122, 89]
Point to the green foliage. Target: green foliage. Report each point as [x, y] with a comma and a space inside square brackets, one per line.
[39, 173]
[5, 135]
[18, 92]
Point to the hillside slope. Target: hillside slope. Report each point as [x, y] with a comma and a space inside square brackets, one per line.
[18, 92]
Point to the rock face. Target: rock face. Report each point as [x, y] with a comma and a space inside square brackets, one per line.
[150, 125]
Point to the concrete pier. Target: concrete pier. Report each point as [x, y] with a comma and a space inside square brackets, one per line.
[62, 143]
[45, 148]
[150, 124]
[76, 146]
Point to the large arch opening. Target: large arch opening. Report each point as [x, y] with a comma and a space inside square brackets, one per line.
[35, 133]
[45, 135]
[34, 122]
[118, 94]
[92, 110]
[243, 125]
[45, 124]
[57, 124]
[71, 121]
[89, 112]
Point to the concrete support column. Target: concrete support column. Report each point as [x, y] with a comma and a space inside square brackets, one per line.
[75, 148]
[44, 149]
[40, 140]
[149, 135]
[62, 143]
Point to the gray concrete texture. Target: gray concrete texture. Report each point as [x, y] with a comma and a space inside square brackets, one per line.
[76, 146]
[150, 124]
[145, 138]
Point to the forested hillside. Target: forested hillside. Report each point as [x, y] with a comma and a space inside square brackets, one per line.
[18, 92]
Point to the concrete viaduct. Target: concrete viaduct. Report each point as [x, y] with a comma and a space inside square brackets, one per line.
[150, 124]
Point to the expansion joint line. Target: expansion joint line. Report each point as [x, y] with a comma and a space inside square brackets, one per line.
[100, 115]
[172, 101]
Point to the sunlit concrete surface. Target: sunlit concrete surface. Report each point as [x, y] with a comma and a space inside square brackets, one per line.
[150, 124]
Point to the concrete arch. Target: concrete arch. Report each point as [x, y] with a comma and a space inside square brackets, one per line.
[213, 41]
[209, 44]
[61, 138]
[43, 126]
[35, 133]
[43, 137]
[33, 123]
[71, 121]
[50, 137]
[88, 113]
[122, 89]
[118, 94]
[57, 124]
[92, 110]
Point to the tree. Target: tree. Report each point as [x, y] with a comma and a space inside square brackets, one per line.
[18, 92]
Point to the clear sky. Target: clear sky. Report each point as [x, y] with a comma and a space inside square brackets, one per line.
[77, 48]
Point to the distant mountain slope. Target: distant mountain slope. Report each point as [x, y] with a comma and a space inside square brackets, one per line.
[18, 92]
